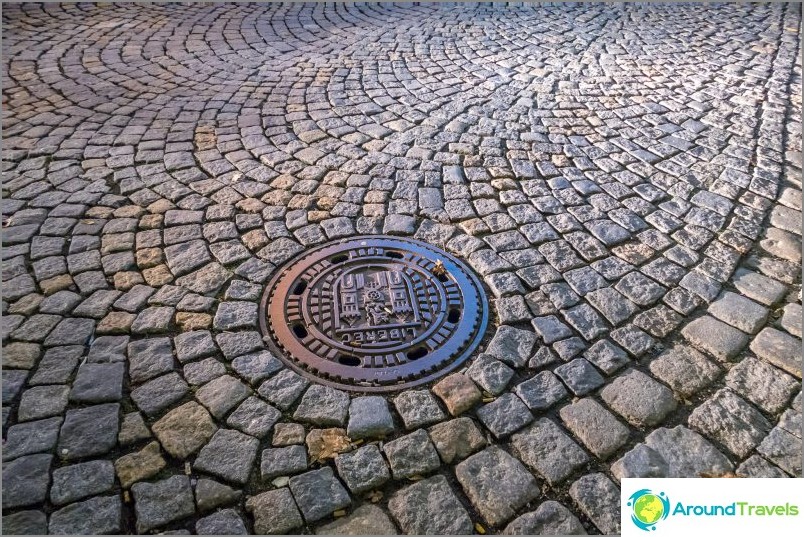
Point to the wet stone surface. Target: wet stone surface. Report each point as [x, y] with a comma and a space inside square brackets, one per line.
[637, 238]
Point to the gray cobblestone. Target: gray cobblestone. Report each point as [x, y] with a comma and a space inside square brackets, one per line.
[642, 401]
[411, 455]
[715, 337]
[430, 507]
[547, 449]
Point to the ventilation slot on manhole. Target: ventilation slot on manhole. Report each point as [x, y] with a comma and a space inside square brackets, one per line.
[299, 288]
[417, 353]
[351, 361]
[300, 331]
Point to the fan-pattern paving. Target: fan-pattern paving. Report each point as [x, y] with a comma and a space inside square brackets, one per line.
[625, 178]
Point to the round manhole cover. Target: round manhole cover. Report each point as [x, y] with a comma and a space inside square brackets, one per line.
[374, 313]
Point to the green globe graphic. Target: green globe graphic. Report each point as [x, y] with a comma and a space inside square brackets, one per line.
[648, 508]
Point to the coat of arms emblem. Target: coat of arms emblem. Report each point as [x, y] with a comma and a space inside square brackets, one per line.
[375, 305]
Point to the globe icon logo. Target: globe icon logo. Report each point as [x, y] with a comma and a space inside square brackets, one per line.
[648, 508]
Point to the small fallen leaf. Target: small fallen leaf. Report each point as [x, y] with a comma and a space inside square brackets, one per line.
[479, 528]
[324, 444]
[339, 513]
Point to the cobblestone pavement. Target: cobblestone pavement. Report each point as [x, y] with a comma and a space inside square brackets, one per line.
[626, 179]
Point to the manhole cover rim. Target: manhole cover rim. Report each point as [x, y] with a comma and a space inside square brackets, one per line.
[301, 262]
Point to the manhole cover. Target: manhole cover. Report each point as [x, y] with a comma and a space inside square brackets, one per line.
[374, 313]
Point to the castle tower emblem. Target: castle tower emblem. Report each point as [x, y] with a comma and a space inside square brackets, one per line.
[373, 299]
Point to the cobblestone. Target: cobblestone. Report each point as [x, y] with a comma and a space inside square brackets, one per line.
[550, 518]
[274, 512]
[430, 507]
[756, 466]
[158, 394]
[97, 516]
[739, 312]
[184, 430]
[599, 499]
[728, 419]
[497, 484]
[505, 415]
[597, 428]
[222, 394]
[321, 405]
[758, 287]
[547, 449]
[512, 345]
[579, 376]
[458, 393]
[418, 408]
[369, 416]
[686, 453]
[89, 431]
[542, 391]
[224, 522]
[641, 461]
[139, 465]
[363, 469]
[411, 455]
[715, 337]
[762, 384]
[490, 374]
[229, 455]
[684, 369]
[157, 504]
[783, 449]
[210, 494]
[42, 402]
[26, 480]
[779, 349]
[282, 461]
[318, 493]
[365, 520]
[77, 481]
[30, 522]
[254, 417]
[638, 398]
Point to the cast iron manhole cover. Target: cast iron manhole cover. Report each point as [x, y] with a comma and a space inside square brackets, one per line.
[374, 313]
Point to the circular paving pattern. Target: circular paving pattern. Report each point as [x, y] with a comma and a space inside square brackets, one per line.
[623, 179]
[374, 313]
